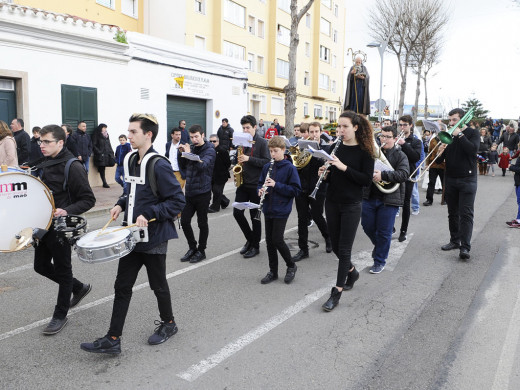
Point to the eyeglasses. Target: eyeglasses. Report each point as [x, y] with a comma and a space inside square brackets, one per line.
[214, 141]
[46, 142]
[386, 136]
[403, 124]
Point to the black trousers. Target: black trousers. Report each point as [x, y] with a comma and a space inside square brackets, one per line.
[198, 204]
[127, 272]
[433, 174]
[274, 240]
[303, 202]
[342, 221]
[52, 260]
[460, 197]
[219, 198]
[101, 171]
[253, 233]
[405, 216]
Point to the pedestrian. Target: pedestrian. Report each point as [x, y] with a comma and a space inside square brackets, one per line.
[297, 135]
[483, 150]
[69, 143]
[172, 147]
[141, 205]
[185, 137]
[492, 159]
[516, 169]
[121, 151]
[103, 152]
[35, 152]
[261, 128]
[82, 144]
[504, 160]
[220, 176]
[252, 161]
[52, 254]
[435, 171]
[198, 192]
[23, 141]
[460, 183]
[351, 169]
[8, 153]
[278, 184]
[225, 134]
[271, 131]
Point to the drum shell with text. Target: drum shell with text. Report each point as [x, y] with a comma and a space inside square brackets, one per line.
[100, 245]
[25, 202]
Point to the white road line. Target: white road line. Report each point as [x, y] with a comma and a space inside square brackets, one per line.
[507, 357]
[204, 366]
[21, 268]
[109, 298]
[361, 260]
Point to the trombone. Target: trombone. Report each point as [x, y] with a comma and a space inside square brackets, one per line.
[444, 137]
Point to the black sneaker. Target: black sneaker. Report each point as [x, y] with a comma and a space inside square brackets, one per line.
[103, 345]
[269, 278]
[187, 256]
[300, 255]
[245, 248]
[76, 298]
[55, 326]
[198, 256]
[163, 332]
[291, 273]
[402, 237]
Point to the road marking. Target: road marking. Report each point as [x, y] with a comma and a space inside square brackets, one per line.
[109, 298]
[507, 357]
[205, 365]
[361, 260]
[21, 268]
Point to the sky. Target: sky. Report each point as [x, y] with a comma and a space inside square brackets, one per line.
[480, 57]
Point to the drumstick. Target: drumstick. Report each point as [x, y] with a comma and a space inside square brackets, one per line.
[104, 227]
[123, 228]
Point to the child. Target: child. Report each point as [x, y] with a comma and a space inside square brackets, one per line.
[505, 159]
[492, 159]
[516, 169]
[121, 151]
[271, 131]
[282, 185]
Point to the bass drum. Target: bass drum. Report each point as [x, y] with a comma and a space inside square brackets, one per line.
[25, 202]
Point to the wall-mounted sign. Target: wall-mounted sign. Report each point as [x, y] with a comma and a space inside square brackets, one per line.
[191, 85]
[217, 114]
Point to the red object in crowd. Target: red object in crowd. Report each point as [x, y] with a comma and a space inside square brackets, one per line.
[505, 158]
[270, 133]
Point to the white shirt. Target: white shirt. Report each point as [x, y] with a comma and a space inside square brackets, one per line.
[173, 155]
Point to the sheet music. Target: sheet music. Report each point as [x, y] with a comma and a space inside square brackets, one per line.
[320, 154]
[245, 205]
[242, 139]
[191, 156]
[305, 144]
[380, 166]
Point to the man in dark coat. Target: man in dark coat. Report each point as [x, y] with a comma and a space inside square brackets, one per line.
[225, 134]
[83, 144]
[23, 140]
[220, 176]
[509, 138]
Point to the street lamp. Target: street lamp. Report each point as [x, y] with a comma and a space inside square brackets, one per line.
[381, 47]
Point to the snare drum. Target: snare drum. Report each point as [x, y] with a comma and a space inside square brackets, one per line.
[110, 245]
[25, 202]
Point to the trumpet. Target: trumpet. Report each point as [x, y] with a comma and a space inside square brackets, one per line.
[327, 164]
[264, 190]
[446, 138]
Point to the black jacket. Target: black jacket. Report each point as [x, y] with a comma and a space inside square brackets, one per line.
[82, 144]
[516, 169]
[164, 208]
[400, 174]
[103, 152]
[309, 177]
[510, 140]
[412, 148]
[23, 142]
[222, 164]
[78, 198]
[461, 154]
[198, 174]
[224, 136]
[35, 153]
[258, 156]
[485, 144]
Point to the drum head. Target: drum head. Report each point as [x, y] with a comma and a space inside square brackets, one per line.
[25, 202]
[108, 237]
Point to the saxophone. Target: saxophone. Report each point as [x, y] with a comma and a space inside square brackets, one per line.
[237, 169]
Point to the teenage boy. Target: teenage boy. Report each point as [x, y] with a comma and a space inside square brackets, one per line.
[171, 152]
[140, 204]
[279, 189]
[52, 255]
[253, 159]
[121, 151]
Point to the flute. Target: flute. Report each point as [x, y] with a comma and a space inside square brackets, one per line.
[264, 189]
[327, 164]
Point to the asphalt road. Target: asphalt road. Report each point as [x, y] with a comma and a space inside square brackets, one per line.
[428, 321]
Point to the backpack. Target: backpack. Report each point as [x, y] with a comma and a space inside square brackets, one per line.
[150, 166]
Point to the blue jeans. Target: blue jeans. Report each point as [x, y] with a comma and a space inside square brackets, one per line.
[517, 189]
[120, 176]
[86, 164]
[378, 220]
[415, 198]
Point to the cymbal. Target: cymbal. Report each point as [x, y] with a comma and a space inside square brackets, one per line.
[22, 240]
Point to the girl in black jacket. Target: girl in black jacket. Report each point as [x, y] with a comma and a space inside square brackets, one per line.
[103, 152]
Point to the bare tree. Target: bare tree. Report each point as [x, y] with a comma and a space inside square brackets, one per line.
[413, 17]
[432, 59]
[290, 88]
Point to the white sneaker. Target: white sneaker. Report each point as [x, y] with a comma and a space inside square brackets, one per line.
[415, 212]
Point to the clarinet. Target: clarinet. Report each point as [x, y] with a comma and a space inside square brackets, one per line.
[327, 164]
[264, 188]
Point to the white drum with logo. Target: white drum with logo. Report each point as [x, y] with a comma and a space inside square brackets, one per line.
[25, 203]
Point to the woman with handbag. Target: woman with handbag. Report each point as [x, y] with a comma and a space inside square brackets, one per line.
[103, 152]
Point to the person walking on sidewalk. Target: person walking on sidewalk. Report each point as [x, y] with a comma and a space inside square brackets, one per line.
[103, 152]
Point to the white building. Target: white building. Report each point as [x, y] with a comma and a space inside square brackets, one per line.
[56, 69]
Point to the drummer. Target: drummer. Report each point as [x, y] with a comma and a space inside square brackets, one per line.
[52, 254]
[164, 207]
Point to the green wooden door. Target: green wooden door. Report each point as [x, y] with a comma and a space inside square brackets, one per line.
[79, 104]
[193, 111]
[7, 106]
